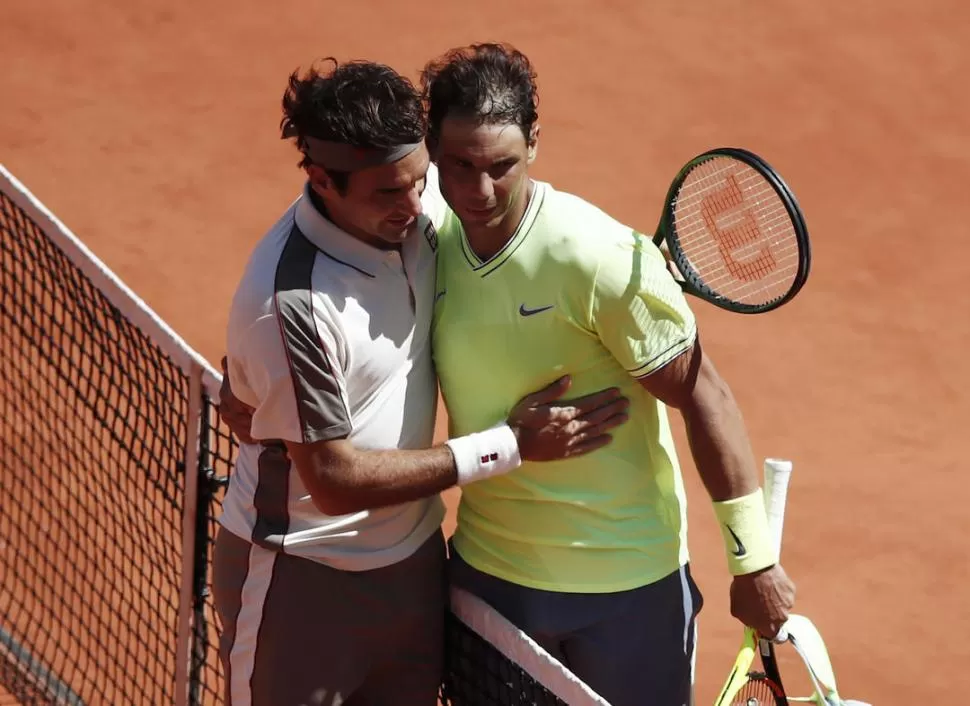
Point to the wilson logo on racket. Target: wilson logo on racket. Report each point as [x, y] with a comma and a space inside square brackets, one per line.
[736, 233]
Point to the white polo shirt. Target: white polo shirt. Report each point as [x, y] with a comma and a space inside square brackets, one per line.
[329, 338]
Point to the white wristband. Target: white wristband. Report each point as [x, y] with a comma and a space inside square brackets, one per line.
[485, 454]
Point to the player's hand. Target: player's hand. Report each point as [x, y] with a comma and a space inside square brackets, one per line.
[671, 265]
[763, 600]
[237, 415]
[549, 428]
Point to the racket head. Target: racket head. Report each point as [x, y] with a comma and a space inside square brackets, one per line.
[735, 231]
[758, 690]
[809, 645]
[738, 676]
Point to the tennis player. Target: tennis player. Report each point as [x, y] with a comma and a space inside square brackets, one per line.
[329, 566]
[587, 555]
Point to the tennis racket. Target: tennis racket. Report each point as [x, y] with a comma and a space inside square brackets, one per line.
[735, 232]
[809, 645]
[746, 686]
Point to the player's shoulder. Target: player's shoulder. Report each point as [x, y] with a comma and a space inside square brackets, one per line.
[253, 297]
[583, 229]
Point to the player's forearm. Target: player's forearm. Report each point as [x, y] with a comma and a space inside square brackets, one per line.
[719, 441]
[366, 480]
[342, 479]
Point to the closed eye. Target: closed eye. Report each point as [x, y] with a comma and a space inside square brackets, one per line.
[500, 168]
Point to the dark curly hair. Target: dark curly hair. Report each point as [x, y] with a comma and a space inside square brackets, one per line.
[494, 83]
[359, 103]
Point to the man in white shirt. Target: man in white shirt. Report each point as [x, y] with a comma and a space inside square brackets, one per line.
[329, 568]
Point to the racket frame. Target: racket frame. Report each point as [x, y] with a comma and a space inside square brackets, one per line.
[692, 282]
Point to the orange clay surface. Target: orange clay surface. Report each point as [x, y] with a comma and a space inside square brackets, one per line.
[150, 128]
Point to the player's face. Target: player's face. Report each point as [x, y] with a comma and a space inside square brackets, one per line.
[484, 170]
[381, 204]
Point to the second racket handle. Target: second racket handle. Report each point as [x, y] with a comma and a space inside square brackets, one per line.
[777, 475]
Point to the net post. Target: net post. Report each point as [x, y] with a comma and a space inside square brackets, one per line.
[189, 514]
[208, 487]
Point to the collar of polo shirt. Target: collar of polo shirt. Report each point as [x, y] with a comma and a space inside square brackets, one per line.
[333, 241]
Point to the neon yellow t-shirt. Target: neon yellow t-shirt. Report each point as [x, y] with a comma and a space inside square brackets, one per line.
[575, 292]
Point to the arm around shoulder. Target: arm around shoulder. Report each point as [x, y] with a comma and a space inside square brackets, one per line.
[541, 427]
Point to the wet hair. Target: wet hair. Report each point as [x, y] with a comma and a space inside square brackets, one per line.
[359, 103]
[493, 83]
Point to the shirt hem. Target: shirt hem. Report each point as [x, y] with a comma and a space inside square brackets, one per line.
[422, 532]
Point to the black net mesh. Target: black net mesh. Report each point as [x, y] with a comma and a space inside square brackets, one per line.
[477, 674]
[92, 443]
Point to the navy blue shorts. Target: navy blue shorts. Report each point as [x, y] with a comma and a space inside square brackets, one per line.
[631, 647]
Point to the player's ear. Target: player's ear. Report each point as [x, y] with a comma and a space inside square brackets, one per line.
[320, 181]
[533, 143]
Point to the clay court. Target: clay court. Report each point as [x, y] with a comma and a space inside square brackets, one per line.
[150, 129]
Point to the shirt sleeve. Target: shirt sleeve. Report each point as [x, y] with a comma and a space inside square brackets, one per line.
[285, 368]
[638, 310]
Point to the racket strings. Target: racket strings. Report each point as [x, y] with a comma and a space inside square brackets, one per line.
[735, 232]
[757, 691]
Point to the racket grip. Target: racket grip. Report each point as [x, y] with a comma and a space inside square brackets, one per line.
[777, 475]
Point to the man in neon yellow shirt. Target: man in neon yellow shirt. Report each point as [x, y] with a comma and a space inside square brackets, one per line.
[587, 555]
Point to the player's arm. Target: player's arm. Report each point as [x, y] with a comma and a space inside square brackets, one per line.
[642, 317]
[715, 428]
[761, 594]
[342, 478]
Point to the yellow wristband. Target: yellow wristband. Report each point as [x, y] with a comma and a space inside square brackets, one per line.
[747, 539]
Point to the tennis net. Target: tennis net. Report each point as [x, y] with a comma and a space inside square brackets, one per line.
[105, 425]
[490, 662]
[113, 462]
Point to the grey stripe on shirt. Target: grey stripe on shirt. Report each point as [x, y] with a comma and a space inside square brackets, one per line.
[271, 499]
[322, 411]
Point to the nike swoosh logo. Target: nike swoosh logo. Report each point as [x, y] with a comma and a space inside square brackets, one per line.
[529, 312]
[740, 551]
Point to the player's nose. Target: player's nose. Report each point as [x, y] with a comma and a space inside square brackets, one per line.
[484, 188]
[413, 202]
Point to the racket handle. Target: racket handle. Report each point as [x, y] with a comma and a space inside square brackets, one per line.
[777, 475]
